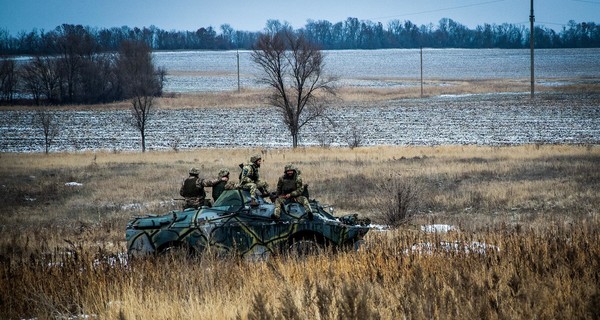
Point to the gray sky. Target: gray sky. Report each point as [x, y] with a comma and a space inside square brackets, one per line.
[251, 15]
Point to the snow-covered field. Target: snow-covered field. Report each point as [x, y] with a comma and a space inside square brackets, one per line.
[489, 119]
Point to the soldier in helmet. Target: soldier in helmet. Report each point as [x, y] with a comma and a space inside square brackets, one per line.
[219, 186]
[250, 179]
[192, 191]
[291, 188]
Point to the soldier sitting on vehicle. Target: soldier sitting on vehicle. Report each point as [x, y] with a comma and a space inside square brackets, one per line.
[192, 189]
[291, 188]
[250, 179]
[219, 186]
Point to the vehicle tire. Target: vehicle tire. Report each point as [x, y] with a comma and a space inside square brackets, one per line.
[305, 247]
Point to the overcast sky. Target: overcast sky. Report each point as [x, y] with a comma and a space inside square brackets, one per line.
[251, 15]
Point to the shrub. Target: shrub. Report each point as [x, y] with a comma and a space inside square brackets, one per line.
[398, 201]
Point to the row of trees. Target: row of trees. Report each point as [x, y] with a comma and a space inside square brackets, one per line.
[292, 65]
[78, 70]
[349, 34]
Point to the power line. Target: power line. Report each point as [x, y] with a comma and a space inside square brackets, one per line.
[552, 23]
[442, 9]
[588, 1]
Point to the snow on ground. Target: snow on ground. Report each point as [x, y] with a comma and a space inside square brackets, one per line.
[450, 246]
[483, 119]
[438, 228]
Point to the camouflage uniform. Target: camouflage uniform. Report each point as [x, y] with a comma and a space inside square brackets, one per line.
[192, 189]
[219, 186]
[293, 188]
[193, 194]
[250, 179]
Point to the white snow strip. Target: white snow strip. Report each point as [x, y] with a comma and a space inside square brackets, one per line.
[438, 228]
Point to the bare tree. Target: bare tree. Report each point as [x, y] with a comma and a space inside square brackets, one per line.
[293, 69]
[141, 81]
[41, 77]
[48, 123]
[76, 46]
[8, 79]
[142, 108]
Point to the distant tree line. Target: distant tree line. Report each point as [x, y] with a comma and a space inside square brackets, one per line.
[75, 68]
[349, 34]
[77, 64]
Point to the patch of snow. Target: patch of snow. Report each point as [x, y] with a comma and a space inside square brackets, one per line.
[118, 259]
[438, 228]
[452, 247]
[131, 206]
[73, 184]
[379, 227]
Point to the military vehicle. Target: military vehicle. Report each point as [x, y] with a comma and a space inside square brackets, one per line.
[233, 226]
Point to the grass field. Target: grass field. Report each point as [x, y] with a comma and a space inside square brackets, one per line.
[61, 247]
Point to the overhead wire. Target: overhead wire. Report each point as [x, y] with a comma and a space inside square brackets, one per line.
[474, 5]
[438, 10]
[587, 1]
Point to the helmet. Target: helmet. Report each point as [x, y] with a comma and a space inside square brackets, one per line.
[289, 167]
[255, 158]
[223, 173]
[194, 171]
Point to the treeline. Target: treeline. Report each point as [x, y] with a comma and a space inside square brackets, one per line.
[349, 34]
[75, 68]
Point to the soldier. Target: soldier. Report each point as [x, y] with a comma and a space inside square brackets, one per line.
[290, 187]
[193, 194]
[250, 179]
[217, 188]
[192, 189]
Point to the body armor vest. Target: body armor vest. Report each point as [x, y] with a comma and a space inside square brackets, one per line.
[288, 186]
[190, 190]
[217, 189]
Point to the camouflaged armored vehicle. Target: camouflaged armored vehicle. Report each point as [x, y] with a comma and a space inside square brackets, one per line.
[232, 226]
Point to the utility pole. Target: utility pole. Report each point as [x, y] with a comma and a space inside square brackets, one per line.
[238, 66]
[531, 20]
[421, 72]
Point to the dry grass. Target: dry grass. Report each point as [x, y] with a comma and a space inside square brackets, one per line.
[547, 275]
[346, 95]
[538, 204]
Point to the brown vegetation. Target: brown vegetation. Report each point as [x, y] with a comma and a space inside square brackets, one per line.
[59, 245]
[345, 95]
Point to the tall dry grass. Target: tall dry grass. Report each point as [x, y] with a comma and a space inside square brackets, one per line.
[538, 204]
[546, 274]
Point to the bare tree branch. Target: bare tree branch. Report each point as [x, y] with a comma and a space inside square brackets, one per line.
[293, 69]
[142, 82]
[48, 123]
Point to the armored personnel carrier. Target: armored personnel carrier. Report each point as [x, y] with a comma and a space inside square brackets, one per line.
[233, 226]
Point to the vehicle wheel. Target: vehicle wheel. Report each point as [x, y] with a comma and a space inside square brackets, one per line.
[304, 247]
